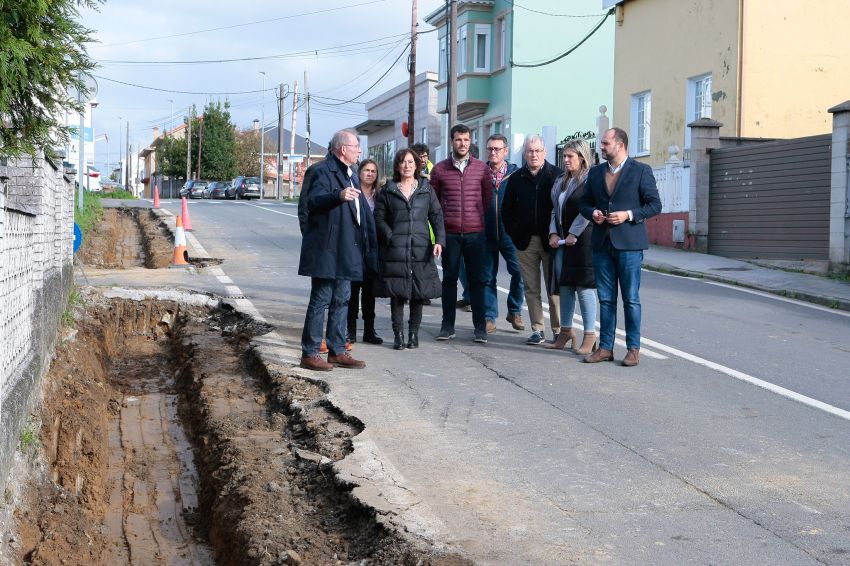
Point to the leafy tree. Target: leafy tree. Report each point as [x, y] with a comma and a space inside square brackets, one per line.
[42, 55]
[218, 142]
[248, 153]
[171, 155]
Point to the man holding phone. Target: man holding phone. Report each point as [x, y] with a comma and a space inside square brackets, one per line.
[619, 196]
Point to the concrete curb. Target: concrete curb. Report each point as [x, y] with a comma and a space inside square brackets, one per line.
[826, 301]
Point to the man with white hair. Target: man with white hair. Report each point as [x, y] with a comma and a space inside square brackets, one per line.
[339, 246]
[526, 212]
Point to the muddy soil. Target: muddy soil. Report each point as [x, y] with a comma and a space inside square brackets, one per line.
[128, 237]
[167, 441]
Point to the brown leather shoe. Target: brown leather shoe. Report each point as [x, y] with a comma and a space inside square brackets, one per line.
[315, 363]
[345, 360]
[491, 327]
[516, 321]
[600, 356]
[632, 358]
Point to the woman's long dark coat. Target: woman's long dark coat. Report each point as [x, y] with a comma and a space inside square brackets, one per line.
[408, 269]
[577, 270]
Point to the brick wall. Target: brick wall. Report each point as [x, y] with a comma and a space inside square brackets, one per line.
[36, 239]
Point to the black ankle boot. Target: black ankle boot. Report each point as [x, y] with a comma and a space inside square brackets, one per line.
[412, 339]
[370, 336]
[351, 337]
[398, 343]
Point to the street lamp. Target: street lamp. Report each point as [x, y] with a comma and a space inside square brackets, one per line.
[262, 134]
[93, 104]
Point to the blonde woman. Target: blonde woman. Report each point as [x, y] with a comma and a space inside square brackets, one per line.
[569, 235]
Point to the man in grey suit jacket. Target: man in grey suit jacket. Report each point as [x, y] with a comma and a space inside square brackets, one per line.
[620, 195]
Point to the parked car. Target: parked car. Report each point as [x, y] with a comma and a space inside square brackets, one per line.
[246, 187]
[194, 189]
[217, 189]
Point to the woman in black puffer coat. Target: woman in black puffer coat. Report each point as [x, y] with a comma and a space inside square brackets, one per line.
[403, 211]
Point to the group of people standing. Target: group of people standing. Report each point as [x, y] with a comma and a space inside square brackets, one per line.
[580, 226]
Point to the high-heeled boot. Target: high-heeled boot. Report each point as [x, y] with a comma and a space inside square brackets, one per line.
[398, 341]
[564, 337]
[412, 338]
[589, 344]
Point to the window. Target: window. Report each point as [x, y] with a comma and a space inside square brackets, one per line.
[423, 138]
[482, 48]
[698, 103]
[443, 62]
[501, 39]
[495, 128]
[383, 155]
[461, 51]
[641, 120]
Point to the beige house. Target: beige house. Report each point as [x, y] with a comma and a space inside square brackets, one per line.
[763, 68]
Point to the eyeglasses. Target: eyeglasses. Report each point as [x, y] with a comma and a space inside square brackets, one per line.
[495, 149]
[357, 145]
[535, 151]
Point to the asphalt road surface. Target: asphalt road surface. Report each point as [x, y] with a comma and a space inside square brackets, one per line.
[728, 444]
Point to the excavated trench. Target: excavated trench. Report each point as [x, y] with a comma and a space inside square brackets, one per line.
[167, 441]
[128, 237]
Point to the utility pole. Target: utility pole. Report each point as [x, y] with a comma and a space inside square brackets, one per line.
[200, 147]
[452, 38]
[411, 95]
[127, 175]
[292, 169]
[279, 140]
[120, 151]
[189, 147]
[307, 92]
[262, 136]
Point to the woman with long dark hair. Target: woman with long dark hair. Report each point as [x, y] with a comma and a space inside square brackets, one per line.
[362, 292]
[403, 212]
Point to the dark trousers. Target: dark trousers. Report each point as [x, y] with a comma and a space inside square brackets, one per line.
[331, 296]
[471, 248]
[397, 313]
[367, 303]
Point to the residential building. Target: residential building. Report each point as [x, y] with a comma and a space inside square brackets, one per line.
[389, 111]
[763, 68]
[544, 67]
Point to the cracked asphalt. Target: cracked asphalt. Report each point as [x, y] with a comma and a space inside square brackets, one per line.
[513, 454]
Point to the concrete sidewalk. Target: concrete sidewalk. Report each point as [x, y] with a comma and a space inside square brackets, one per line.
[833, 293]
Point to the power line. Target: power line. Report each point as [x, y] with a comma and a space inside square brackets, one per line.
[387, 72]
[308, 52]
[179, 91]
[568, 51]
[241, 25]
[515, 5]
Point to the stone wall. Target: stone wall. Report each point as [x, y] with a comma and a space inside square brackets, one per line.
[36, 272]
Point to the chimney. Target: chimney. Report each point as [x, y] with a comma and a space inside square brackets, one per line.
[155, 133]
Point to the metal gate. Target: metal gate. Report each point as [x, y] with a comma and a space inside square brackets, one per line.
[771, 200]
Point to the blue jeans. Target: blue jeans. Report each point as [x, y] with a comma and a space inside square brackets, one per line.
[618, 267]
[470, 248]
[326, 295]
[517, 291]
[586, 299]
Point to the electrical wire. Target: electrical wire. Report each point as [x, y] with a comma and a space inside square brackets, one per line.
[387, 72]
[183, 91]
[556, 15]
[568, 51]
[292, 16]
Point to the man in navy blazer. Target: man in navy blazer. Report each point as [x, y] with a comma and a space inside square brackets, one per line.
[339, 245]
[620, 195]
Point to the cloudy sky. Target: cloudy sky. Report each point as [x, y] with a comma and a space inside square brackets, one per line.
[343, 45]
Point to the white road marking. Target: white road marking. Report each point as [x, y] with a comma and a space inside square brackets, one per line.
[232, 290]
[269, 210]
[199, 249]
[224, 279]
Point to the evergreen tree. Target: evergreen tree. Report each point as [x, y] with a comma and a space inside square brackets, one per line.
[42, 56]
[218, 143]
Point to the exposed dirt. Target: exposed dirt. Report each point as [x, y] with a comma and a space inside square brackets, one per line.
[128, 237]
[168, 442]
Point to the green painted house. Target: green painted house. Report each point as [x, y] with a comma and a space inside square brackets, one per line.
[509, 80]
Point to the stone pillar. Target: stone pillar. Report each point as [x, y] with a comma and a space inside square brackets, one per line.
[839, 201]
[705, 136]
[602, 126]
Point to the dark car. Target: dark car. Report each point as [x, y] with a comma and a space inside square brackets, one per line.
[217, 189]
[194, 189]
[246, 187]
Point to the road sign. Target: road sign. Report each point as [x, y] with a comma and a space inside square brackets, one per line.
[78, 237]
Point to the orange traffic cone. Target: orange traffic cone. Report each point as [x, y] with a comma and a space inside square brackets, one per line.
[156, 196]
[184, 211]
[181, 254]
